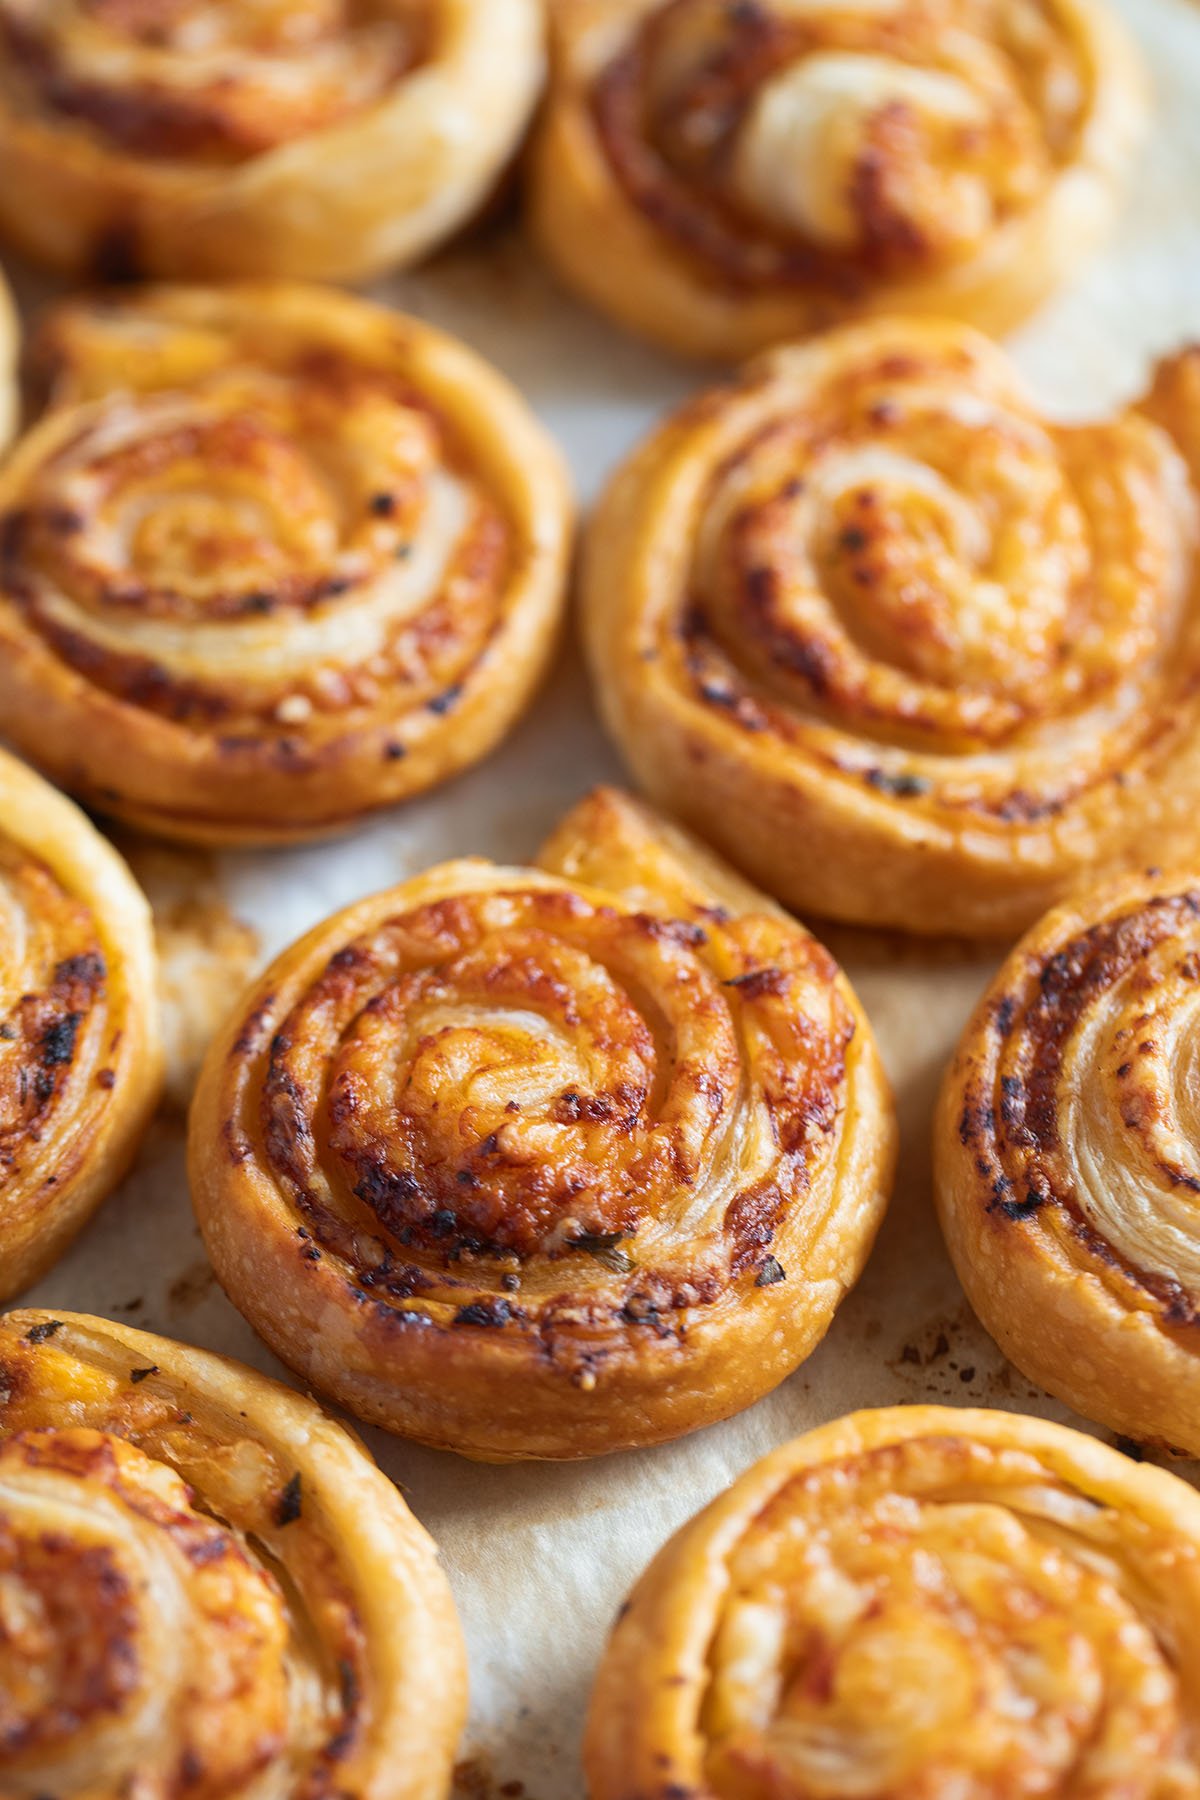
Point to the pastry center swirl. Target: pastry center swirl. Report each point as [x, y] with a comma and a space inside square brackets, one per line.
[203, 553]
[197, 83]
[938, 1617]
[520, 1073]
[899, 569]
[127, 1616]
[801, 138]
[1098, 1096]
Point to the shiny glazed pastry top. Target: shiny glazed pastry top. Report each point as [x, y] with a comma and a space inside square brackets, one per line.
[1067, 1170]
[310, 139]
[272, 558]
[924, 1603]
[721, 177]
[551, 1161]
[906, 651]
[210, 1592]
[80, 1042]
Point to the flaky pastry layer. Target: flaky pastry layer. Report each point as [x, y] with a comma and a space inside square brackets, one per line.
[922, 1602]
[309, 140]
[272, 558]
[549, 1161]
[80, 1034]
[209, 1588]
[903, 649]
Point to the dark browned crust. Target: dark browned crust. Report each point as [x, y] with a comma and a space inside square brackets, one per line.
[410, 1231]
[1011, 1128]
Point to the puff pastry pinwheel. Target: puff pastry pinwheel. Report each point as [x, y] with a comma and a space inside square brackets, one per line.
[546, 1162]
[1067, 1170]
[906, 653]
[209, 1589]
[272, 557]
[307, 139]
[925, 1602]
[80, 1036]
[721, 177]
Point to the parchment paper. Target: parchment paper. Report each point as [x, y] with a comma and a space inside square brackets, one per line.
[540, 1557]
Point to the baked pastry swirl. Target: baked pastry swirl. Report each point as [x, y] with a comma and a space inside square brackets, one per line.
[80, 1045]
[322, 140]
[208, 1587]
[906, 652]
[720, 177]
[924, 1601]
[272, 558]
[1066, 1156]
[563, 1159]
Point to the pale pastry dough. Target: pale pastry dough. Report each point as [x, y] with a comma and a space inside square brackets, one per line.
[308, 139]
[722, 177]
[208, 1586]
[272, 558]
[927, 1603]
[550, 1161]
[80, 1039]
[1067, 1170]
[905, 651]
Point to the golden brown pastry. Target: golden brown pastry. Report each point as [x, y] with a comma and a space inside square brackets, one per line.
[905, 652]
[1067, 1160]
[551, 1161]
[80, 1041]
[209, 1589]
[922, 1603]
[720, 177]
[9, 339]
[273, 557]
[310, 139]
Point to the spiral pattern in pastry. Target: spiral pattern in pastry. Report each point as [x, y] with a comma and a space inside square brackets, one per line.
[560, 1159]
[307, 139]
[1066, 1156]
[80, 1041]
[924, 1602]
[272, 558]
[207, 1588]
[721, 177]
[904, 651]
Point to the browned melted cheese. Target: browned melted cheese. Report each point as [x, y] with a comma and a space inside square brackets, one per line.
[483, 1107]
[941, 1617]
[284, 497]
[190, 83]
[172, 1613]
[910, 578]
[1078, 1108]
[923, 176]
[54, 1033]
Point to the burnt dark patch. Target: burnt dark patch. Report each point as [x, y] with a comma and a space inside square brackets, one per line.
[898, 787]
[445, 702]
[290, 1505]
[43, 1331]
[57, 1047]
[771, 1273]
[759, 983]
[490, 1314]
